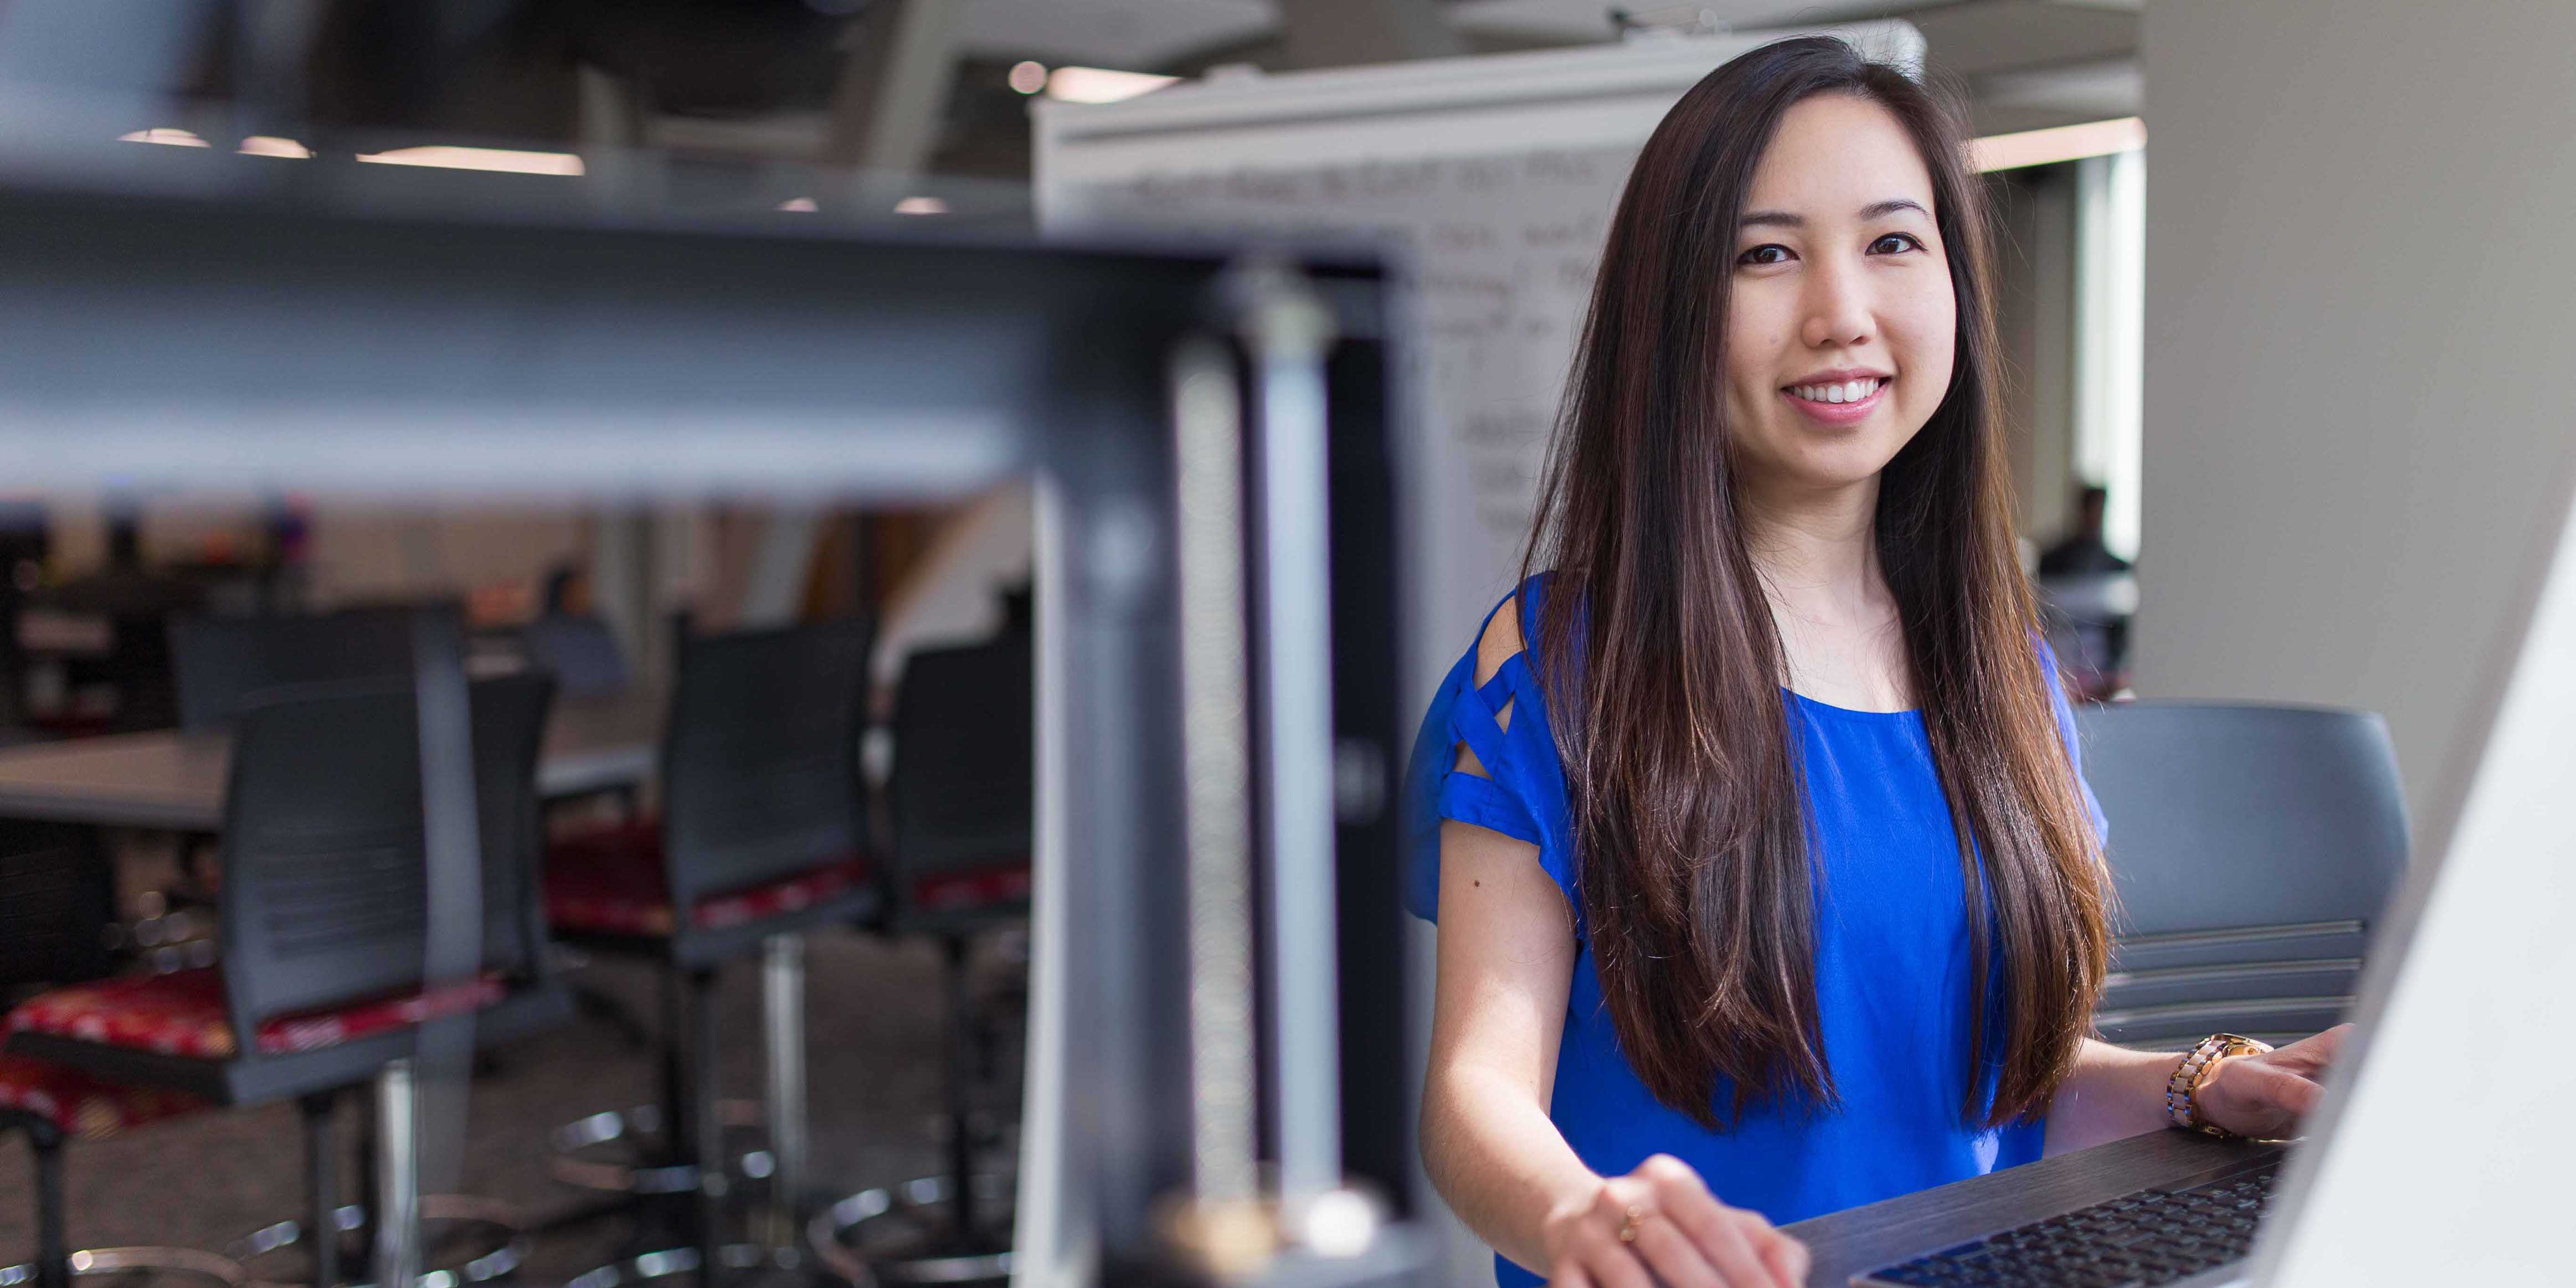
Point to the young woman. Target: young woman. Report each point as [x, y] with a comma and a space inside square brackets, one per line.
[1767, 880]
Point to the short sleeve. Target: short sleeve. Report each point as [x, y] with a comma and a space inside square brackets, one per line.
[1522, 792]
[2074, 746]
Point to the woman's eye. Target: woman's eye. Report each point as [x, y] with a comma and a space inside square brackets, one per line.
[1767, 253]
[1895, 244]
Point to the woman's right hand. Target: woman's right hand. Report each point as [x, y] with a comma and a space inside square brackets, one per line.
[1676, 1235]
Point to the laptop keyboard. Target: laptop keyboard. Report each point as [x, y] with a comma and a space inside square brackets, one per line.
[2136, 1241]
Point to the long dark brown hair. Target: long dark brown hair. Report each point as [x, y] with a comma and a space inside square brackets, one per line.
[1657, 644]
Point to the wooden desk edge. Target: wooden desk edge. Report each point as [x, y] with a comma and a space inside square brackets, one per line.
[1864, 1238]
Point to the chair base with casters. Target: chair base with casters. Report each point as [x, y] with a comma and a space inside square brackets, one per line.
[737, 1260]
[902, 1234]
[55, 1104]
[581, 1147]
[497, 1240]
[955, 1227]
[605, 894]
[168, 1033]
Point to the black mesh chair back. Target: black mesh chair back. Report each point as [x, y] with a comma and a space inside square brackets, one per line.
[2253, 849]
[962, 786]
[760, 764]
[581, 652]
[325, 880]
[220, 663]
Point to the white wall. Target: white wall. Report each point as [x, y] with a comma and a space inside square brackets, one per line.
[2360, 272]
[376, 553]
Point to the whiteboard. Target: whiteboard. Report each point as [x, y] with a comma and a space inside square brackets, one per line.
[1493, 177]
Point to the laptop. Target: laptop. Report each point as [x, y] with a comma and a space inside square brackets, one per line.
[2442, 1151]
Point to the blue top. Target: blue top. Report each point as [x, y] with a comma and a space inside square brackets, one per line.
[1892, 973]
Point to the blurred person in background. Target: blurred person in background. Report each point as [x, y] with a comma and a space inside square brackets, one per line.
[2082, 549]
[2090, 595]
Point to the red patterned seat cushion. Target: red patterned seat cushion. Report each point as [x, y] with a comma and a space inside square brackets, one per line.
[611, 881]
[972, 889]
[82, 1105]
[183, 1013]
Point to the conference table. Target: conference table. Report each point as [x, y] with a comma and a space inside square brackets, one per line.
[171, 780]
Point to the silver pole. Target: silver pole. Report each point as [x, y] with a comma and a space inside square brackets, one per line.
[1216, 709]
[397, 1259]
[1289, 329]
[442, 1056]
[782, 995]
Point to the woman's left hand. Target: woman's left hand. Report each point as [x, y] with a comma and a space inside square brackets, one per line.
[2265, 1096]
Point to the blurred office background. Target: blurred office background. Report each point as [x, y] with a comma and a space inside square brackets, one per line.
[870, 112]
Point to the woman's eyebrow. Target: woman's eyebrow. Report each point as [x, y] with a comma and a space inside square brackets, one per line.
[1874, 210]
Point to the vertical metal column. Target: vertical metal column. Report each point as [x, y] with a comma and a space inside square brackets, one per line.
[679, 1123]
[321, 1189]
[1288, 330]
[962, 1212]
[782, 997]
[1216, 709]
[398, 1256]
[53, 1253]
[706, 1139]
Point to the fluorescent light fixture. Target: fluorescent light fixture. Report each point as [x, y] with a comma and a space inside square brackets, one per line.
[496, 159]
[799, 205]
[921, 206]
[2063, 143]
[164, 135]
[269, 145]
[1028, 77]
[1101, 85]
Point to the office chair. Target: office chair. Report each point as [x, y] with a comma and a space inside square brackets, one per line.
[2253, 849]
[324, 902]
[220, 663]
[53, 902]
[761, 838]
[960, 803]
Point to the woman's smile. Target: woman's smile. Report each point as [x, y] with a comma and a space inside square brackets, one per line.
[1839, 398]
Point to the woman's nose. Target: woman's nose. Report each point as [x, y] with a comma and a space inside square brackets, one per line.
[1838, 312]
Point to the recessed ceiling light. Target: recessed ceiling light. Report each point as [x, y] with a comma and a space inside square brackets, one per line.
[269, 145]
[799, 205]
[497, 159]
[1100, 84]
[921, 206]
[1028, 77]
[2062, 143]
[164, 135]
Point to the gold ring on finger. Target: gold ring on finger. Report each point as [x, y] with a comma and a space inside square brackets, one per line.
[1636, 1218]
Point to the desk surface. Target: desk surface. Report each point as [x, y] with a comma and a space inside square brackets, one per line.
[167, 779]
[1864, 1238]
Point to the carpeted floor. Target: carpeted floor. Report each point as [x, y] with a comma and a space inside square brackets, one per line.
[875, 1033]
